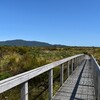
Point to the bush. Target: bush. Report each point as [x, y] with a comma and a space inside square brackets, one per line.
[4, 75]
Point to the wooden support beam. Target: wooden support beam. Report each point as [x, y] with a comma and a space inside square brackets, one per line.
[75, 63]
[68, 69]
[50, 84]
[98, 85]
[24, 91]
[61, 74]
[72, 65]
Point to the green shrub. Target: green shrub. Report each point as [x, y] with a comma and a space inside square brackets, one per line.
[4, 75]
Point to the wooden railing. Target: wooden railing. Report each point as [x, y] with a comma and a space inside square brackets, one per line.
[23, 78]
[96, 73]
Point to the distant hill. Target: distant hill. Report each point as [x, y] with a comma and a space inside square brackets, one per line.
[23, 43]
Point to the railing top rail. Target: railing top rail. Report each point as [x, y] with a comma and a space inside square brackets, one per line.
[11, 82]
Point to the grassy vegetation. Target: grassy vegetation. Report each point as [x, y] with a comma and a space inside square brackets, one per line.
[15, 60]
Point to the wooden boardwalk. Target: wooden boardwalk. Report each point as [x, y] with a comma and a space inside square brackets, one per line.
[82, 84]
[79, 86]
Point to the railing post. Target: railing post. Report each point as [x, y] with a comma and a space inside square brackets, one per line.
[77, 60]
[50, 84]
[68, 68]
[24, 91]
[96, 79]
[75, 63]
[72, 65]
[61, 74]
[98, 85]
[81, 59]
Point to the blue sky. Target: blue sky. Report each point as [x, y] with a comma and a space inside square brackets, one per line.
[68, 22]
